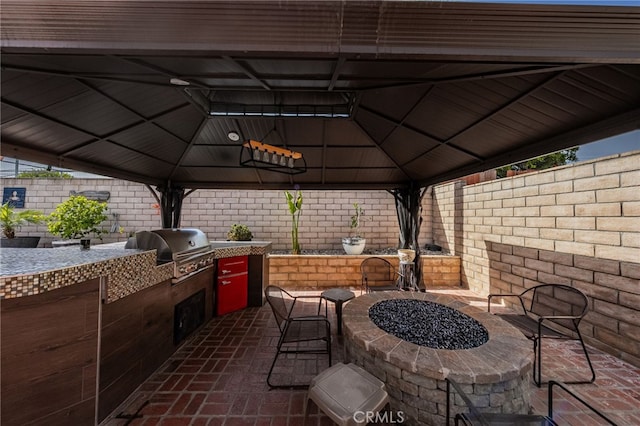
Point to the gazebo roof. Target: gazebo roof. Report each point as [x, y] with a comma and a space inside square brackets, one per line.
[374, 94]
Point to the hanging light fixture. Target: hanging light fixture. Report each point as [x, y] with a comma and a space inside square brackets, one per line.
[274, 158]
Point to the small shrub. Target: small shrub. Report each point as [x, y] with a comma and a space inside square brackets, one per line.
[44, 174]
[239, 232]
[78, 217]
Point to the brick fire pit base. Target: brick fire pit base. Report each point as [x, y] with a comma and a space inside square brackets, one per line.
[496, 374]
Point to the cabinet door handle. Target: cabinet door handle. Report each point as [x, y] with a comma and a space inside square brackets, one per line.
[225, 271]
[226, 282]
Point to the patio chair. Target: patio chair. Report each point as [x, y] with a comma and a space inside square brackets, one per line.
[475, 417]
[378, 274]
[549, 311]
[309, 334]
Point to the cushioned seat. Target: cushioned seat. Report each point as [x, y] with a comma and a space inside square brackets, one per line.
[347, 393]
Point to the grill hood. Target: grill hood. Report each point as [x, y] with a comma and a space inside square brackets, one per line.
[173, 244]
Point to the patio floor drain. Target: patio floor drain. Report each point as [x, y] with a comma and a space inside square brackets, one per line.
[428, 324]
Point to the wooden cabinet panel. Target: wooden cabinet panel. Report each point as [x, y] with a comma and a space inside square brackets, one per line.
[137, 336]
[49, 356]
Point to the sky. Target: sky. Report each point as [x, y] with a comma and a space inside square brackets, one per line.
[609, 146]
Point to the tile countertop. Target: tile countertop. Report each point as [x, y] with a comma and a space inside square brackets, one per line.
[27, 272]
[39, 260]
[17, 261]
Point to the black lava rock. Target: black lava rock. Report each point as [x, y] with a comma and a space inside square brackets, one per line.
[428, 324]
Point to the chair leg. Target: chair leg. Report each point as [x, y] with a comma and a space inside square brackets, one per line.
[537, 363]
[271, 369]
[307, 403]
[586, 354]
[329, 342]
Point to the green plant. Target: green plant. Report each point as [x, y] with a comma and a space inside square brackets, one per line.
[78, 217]
[10, 219]
[294, 201]
[239, 232]
[45, 174]
[356, 219]
[555, 159]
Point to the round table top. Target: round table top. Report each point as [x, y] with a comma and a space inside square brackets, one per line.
[338, 295]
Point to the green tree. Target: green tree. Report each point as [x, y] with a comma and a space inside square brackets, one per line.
[44, 174]
[78, 217]
[555, 159]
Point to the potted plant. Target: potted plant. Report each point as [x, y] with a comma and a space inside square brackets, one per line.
[11, 220]
[239, 232]
[78, 218]
[354, 244]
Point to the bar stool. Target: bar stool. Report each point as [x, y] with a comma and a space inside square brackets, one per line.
[346, 393]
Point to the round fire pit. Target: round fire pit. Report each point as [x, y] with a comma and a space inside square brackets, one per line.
[473, 347]
[441, 327]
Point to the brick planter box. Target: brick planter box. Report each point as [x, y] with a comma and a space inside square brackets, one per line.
[326, 271]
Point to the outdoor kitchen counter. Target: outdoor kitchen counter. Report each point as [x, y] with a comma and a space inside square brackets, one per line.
[82, 329]
[27, 272]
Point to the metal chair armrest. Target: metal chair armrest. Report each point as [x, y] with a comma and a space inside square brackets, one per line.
[310, 318]
[295, 299]
[553, 383]
[472, 408]
[503, 295]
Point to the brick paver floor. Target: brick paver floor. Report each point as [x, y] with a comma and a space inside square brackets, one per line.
[219, 378]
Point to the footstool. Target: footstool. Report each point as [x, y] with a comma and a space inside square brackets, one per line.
[346, 393]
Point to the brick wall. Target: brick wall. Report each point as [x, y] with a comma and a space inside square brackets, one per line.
[321, 272]
[324, 221]
[576, 225]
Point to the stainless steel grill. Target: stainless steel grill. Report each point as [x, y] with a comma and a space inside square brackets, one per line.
[189, 248]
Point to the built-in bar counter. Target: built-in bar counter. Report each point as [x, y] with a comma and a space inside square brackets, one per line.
[81, 329]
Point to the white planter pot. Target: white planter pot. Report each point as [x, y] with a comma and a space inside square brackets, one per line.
[353, 245]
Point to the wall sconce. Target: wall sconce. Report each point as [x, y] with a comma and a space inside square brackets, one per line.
[274, 158]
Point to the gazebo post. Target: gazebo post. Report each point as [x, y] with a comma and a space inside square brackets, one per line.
[170, 202]
[408, 202]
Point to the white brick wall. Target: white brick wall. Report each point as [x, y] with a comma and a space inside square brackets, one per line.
[324, 220]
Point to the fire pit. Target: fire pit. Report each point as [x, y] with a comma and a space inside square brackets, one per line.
[441, 327]
[495, 366]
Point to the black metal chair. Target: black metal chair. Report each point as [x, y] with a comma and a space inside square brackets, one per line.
[378, 274]
[298, 334]
[549, 311]
[475, 417]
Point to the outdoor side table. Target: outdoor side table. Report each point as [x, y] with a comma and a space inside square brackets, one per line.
[346, 393]
[338, 296]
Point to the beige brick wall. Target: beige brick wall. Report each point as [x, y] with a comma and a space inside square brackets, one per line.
[324, 221]
[576, 225]
[320, 272]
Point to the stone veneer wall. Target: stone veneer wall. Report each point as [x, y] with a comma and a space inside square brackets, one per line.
[320, 272]
[577, 225]
[324, 221]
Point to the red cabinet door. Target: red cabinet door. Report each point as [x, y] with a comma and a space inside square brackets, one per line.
[231, 284]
